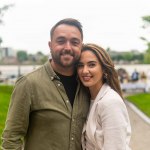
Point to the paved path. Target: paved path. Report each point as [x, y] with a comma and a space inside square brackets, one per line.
[140, 139]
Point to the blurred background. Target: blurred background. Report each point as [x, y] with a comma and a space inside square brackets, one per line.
[122, 27]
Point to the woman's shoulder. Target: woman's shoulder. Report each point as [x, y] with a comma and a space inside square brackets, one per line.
[110, 97]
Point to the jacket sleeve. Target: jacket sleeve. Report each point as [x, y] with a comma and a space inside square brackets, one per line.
[116, 126]
[18, 116]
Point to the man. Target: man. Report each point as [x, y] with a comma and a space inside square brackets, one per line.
[49, 106]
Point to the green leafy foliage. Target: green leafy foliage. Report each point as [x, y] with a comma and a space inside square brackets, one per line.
[22, 56]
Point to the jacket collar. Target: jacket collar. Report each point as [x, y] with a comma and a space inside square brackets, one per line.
[90, 126]
[102, 92]
[50, 70]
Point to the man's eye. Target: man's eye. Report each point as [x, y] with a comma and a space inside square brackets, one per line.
[60, 41]
[75, 42]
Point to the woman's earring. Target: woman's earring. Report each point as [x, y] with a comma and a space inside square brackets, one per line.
[105, 75]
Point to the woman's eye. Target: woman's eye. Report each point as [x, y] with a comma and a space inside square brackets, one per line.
[79, 65]
[92, 65]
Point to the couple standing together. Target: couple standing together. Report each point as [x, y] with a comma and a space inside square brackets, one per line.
[72, 102]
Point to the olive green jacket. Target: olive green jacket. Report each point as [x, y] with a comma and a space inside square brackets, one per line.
[40, 116]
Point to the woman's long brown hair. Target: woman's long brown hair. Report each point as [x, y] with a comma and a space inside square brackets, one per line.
[110, 75]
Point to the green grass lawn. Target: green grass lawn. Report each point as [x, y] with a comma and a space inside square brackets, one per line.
[142, 101]
[5, 93]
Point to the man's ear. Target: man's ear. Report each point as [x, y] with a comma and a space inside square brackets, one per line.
[49, 44]
[82, 45]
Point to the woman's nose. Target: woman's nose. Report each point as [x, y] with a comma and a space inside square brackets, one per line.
[85, 69]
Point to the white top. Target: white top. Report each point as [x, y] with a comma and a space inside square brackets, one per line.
[108, 125]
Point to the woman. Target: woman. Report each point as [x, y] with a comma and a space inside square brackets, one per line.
[107, 126]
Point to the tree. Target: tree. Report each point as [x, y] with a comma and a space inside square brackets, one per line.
[146, 20]
[22, 56]
[2, 11]
[1, 41]
[147, 57]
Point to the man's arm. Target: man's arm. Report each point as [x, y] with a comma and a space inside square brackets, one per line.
[18, 116]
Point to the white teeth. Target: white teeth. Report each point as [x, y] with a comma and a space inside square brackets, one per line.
[66, 55]
[86, 78]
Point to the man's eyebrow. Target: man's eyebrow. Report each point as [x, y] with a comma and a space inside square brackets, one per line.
[60, 37]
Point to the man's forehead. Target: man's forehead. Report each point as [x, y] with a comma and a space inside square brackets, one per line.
[67, 31]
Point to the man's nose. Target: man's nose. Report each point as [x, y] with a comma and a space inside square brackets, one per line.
[68, 45]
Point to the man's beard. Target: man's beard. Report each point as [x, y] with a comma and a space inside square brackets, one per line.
[57, 58]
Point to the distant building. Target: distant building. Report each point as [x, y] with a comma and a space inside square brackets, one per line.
[8, 55]
[7, 52]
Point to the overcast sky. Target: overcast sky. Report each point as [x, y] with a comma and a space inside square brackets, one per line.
[110, 23]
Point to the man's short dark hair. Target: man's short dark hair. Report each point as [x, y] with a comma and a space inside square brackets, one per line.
[68, 21]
